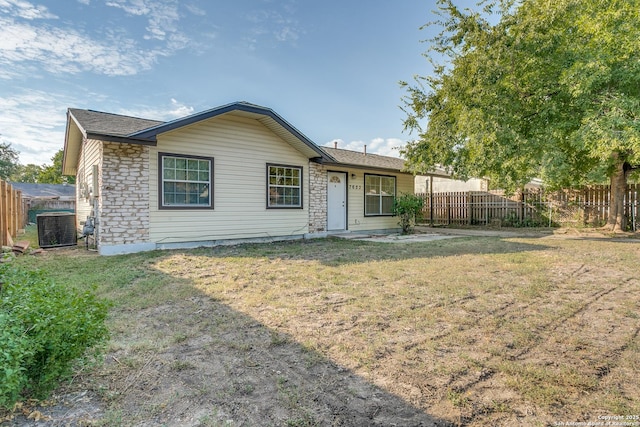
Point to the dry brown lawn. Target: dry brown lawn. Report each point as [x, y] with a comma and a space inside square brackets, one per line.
[469, 331]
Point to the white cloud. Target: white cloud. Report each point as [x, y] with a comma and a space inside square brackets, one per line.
[133, 7]
[68, 51]
[25, 10]
[275, 25]
[33, 122]
[179, 109]
[162, 16]
[287, 34]
[195, 9]
[174, 110]
[385, 147]
[28, 47]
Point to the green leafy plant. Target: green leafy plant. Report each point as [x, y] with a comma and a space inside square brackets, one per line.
[407, 208]
[44, 329]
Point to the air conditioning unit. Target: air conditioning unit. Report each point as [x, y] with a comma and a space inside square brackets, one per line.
[56, 229]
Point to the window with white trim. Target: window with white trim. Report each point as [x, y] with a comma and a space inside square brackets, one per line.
[284, 186]
[379, 194]
[186, 182]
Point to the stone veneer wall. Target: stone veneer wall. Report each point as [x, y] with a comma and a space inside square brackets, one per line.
[124, 202]
[317, 198]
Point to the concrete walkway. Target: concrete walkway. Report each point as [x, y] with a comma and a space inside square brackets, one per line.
[427, 234]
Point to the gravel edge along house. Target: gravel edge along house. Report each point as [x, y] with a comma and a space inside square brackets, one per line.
[234, 173]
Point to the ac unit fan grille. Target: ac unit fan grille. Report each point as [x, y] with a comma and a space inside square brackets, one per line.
[56, 229]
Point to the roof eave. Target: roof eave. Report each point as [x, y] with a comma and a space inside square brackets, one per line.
[382, 168]
[359, 166]
[72, 145]
[122, 139]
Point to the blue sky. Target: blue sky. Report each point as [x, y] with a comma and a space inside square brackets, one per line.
[330, 68]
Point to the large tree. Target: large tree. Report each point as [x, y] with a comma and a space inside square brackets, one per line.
[532, 88]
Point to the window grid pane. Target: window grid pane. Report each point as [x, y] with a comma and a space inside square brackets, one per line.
[186, 181]
[380, 193]
[284, 187]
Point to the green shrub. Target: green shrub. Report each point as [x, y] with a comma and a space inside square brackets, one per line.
[407, 208]
[44, 328]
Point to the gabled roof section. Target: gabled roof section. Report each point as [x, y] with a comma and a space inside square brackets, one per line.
[91, 124]
[264, 115]
[108, 126]
[133, 130]
[374, 161]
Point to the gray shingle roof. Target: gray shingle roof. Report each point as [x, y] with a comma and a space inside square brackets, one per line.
[96, 122]
[357, 158]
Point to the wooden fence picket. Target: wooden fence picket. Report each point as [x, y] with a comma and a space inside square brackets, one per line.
[586, 206]
[12, 213]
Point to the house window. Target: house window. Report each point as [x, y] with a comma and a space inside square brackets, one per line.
[379, 194]
[186, 181]
[284, 186]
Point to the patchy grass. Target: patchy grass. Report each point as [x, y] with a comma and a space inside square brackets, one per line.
[472, 331]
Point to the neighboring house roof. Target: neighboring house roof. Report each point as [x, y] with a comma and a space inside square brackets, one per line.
[49, 191]
[116, 128]
[361, 160]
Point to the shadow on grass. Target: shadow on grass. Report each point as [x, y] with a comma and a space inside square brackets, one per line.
[334, 251]
[188, 359]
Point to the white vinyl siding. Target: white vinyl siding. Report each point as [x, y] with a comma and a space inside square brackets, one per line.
[89, 156]
[242, 147]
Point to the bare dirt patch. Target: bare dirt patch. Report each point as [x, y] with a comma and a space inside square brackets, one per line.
[470, 331]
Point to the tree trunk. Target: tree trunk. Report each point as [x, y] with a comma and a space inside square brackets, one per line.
[617, 220]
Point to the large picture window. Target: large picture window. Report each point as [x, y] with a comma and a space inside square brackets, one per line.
[185, 181]
[379, 194]
[284, 186]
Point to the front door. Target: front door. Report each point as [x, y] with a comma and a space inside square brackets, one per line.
[336, 201]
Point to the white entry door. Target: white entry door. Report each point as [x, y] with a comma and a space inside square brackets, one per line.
[336, 201]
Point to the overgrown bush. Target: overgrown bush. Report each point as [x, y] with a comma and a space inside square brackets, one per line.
[408, 208]
[44, 328]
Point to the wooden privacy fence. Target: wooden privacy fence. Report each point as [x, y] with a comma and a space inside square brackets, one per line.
[586, 206]
[12, 212]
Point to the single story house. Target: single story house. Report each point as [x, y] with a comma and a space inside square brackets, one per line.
[234, 173]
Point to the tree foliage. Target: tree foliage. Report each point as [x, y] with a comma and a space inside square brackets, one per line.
[550, 90]
[44, 174]
[27, 173]
[52, 174]
[8, 160]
